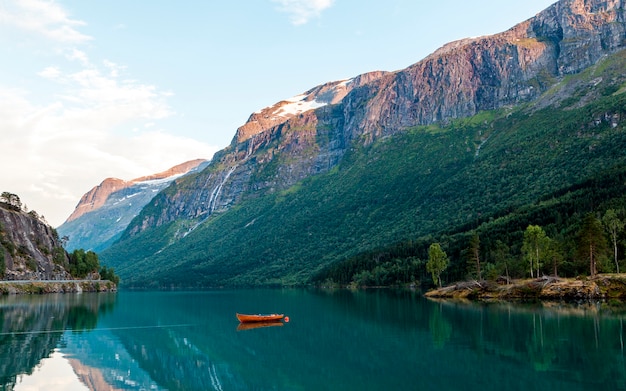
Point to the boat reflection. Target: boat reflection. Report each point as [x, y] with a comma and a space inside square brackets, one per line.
[256, 325]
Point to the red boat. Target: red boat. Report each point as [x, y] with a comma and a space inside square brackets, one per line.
[243, 318]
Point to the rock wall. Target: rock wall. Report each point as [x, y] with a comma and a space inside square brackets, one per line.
[29, 248]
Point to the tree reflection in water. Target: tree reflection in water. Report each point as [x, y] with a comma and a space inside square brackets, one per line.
[540, 335]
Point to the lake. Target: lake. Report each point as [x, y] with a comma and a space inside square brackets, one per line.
[334, 340]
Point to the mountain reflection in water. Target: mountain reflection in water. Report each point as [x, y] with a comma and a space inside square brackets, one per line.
[54, 373]
[33, 327]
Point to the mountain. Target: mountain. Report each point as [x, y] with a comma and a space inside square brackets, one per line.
[29, 248]
[479, 128]
[105, 211]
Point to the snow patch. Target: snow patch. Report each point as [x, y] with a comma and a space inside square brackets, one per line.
[158, 182]
[345, 82]
[297, 106]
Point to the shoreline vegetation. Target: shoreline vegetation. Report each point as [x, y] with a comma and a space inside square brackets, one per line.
[55, 286]
[608, 287]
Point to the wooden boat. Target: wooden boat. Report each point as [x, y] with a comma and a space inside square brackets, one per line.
[243, 318]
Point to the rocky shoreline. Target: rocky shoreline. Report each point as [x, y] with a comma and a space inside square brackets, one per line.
[601, 287]
[51, 286]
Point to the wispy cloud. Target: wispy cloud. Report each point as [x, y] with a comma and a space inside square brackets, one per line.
[92, 121]
[45, 18]
[98, 128]
[301, 11]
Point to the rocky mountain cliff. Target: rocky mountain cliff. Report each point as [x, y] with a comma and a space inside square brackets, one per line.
[29, 248]
[484, 130]
[105, 211]
[310, 134]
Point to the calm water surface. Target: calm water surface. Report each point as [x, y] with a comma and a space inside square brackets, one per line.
[366, 340]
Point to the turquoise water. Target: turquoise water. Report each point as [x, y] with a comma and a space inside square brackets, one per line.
[342, 340]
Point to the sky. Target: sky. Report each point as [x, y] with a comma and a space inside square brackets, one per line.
[125, 88]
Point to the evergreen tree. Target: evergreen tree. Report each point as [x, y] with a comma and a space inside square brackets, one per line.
[591, 242]
[614, 226]
[473, 254]
[12, 200]
[501, 256]
[554, 254]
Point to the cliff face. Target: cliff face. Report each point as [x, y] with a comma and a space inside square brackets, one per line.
[29, 248]
[309, 134]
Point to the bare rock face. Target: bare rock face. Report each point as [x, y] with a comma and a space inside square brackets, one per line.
[97, 196]
[589, 30]
[29, 248]
[309, 134]
[327, 94]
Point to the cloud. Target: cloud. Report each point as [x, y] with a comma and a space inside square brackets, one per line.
[74, 123]
[60, 146]
[78, 55]
[50, 73]
[44, 18]
[301, 11]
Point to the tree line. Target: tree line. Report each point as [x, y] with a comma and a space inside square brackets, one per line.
[594, 244]
[83, 263]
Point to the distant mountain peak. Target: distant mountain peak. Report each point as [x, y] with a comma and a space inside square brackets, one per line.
[177, 170]
[98, 195]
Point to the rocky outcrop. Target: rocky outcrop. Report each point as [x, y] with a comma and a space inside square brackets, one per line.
[29, 248]
[310, 134]
[601, 287]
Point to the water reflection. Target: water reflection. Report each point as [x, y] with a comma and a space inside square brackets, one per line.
[54, 373]
[580, 344]
[31, 327]
[343, 340]
[440, 328]
[257, 325]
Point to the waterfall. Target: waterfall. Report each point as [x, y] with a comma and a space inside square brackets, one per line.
[212, 201]
[217, 190]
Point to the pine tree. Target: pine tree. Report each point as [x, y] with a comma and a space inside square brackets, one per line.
[473, 253]
[591, 242]
[614, 226]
